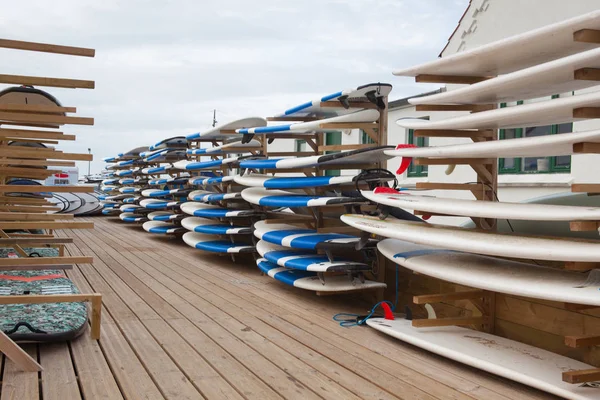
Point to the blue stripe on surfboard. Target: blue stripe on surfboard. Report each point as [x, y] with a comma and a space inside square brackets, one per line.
[193, 136]
[219, 246]
[216, 229]
[286, 201]
[424, 252]
[331, 96]
[296, 182]
[267, 129]
[203, 164]
[287, 277]
[129, 200]
[278, 236]
[196, 151]
[162, 229]
[310, 103]
[268, 163]
[212, 213]
[163, 218]
[156, 169]
[300, 263]
[311, 241]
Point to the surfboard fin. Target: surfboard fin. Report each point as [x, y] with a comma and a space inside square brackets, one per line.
[247, 138]
[344, 101]
[364, 239]
[377, 100]
[387, 311]
[329, 255]
[321, 277]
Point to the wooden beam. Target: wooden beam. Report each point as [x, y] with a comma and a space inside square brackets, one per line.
[577, 307]
[453, 161]
[581, 376]
[47, 48]
[36, 163]
[42, 188]
[44, 261]
[36, 108]
[586, 112]
[582, 341]
[429, 78]
[348, 125]
[585, 188]
[450, 186]
[438, 298]
[587, 36]
[23, 200]
[580, 266]
[34, 241]
[353, 104]
[293, 119]
[45, 81]
[583, 226]
[36, 267]
[46, 225]
[343, 147]
[25, 208]
[459, 133]
[45, 118]
[586, 147]
[17, 355]
[34, 134]
[9, 216]
[426, 323]
[454, 107]
[587, 74]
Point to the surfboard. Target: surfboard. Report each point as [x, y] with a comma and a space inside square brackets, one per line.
[156, 204]
[498, 275]
[127, 172]
[173, 142]
[472, 241]
[110, 182]
[309, 280]
[370, 92]
[208, 197]
[163, 228]
[557, 76]
[314, 126]
[47, 322]
[165, 155]
[292, 182]
[128, 190]
[210, 227]
[187, 165]
[513, 53]
[208, 243]
[156, 170]
[111, 211]
[303, 238]
[541, 113]
[223, 131]
[280, 198]
[170, 181]
[368, 156]
[164, 216]
[306, 261]
[516, 361]
[131, 217]
[165, 193]
[481, 209]
[535, 146]
[131, 200]
[212, 211]
[129, 208]
[210, 180]
[232, 147]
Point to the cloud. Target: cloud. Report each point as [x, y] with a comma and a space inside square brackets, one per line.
[162, 67]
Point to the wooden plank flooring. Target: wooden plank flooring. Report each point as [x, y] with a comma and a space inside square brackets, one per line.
[181, 324]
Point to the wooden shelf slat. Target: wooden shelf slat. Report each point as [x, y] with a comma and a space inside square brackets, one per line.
[441, 297]
[450, 186]
[42, 188]
[456, 79]
[587, 36]
[585, 188]
[453, 161]
[454, 107]
[587, 74]
[45, 118]
[47, 48]
[44, 260]
[37, 108]
[459, 133]
[582, 341]
[586, 147]
[45, 81]
[426, 323]
[585, 375]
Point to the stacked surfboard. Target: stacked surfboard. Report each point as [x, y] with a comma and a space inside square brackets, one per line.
[532, 65]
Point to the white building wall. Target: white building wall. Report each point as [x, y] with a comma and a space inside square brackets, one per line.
[486, 21]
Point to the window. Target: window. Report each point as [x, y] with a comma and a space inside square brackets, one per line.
[533, 165]
[417, 171]
[365, 139]
[300, 145]
[331, 139]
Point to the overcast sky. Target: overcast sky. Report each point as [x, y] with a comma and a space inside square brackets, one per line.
[161, 67]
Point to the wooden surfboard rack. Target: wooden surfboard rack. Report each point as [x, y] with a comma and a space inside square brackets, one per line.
[27, 214]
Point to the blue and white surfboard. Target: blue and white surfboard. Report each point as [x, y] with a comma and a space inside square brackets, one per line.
[306, 261]
[164, 216]
[186, 165]
[308, 280]
[211, 211]
[111, 211]
[210, 227]
[210, 180]
[177, 141]
[108, 182]
[155, 193]
[233, 147]
[129, 208]
[156, 204]
[224, 131]
[302, 238]
[279, 198]
[130, 200]
[131, 217]
[156, 170]
[129, 190]
[209, 197]
[292, 182]
[208, 243]
[163, 228]
[169, 181]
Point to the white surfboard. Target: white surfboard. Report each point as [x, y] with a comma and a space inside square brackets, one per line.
[542, 113]
[188, 165]
[309, 280]
[163, 228]
[213, 244]
[519, 362]
[131, 217]
[481, 209]
[513, 53]
[211, 211]
[315, 126]
[164, 216]
[216, 132]
[156, 204]
[495, 274]
[210, 180]
[362, 156]
[370, 92]
[479, 242]
[169, 143]
[306, 261]
[535, 146]
[557, 76]
[205, 196]
[211, 227]
[281, 198]
[232, 147]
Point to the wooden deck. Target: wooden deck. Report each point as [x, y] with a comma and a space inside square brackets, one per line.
[180, 324]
